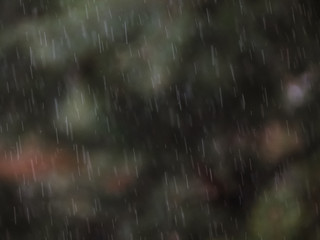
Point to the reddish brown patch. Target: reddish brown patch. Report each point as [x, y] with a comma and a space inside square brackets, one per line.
[118, 184]
[276, 140]
[34, 161]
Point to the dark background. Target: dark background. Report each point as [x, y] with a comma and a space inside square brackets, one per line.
[149, 119]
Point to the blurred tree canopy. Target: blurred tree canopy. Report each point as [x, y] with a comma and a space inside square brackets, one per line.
[146, 119]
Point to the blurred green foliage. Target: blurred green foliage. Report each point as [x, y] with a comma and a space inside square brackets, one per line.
[145, 119]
